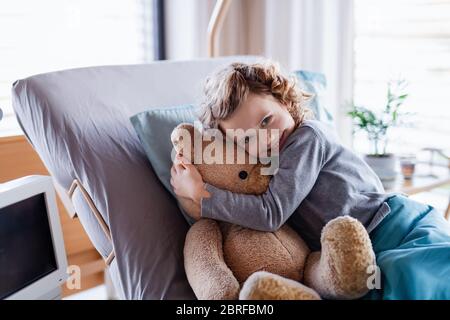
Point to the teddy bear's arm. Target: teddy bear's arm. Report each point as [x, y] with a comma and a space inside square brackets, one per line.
[206, 270]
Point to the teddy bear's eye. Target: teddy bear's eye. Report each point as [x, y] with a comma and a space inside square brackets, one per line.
[243, 175]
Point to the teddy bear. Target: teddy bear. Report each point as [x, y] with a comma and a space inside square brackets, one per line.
[227, 261]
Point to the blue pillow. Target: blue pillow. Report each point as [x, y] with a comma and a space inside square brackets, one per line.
[315, 83]
[154, 128]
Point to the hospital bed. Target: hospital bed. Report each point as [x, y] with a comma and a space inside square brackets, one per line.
[78, 122]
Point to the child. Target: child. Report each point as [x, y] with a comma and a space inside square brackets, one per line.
[318, 180]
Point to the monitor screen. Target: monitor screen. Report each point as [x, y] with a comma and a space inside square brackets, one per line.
[26, 246]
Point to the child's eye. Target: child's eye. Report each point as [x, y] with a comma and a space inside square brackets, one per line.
[266, 121]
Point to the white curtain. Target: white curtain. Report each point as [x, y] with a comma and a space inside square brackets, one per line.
[315, 35]
[187, 23]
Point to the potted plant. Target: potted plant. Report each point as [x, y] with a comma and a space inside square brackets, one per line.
[376, 125]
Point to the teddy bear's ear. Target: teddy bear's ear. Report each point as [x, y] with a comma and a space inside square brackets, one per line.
[183, 139]
[186, 126]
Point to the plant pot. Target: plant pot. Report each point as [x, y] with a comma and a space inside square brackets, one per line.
[384, 165]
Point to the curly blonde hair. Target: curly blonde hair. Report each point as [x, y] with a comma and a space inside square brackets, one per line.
[227, 88]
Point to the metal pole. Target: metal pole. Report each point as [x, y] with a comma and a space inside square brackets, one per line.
[215, 24]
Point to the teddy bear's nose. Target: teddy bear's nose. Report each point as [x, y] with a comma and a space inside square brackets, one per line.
[243, 174]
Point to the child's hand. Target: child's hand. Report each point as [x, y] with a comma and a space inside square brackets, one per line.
[187, 181]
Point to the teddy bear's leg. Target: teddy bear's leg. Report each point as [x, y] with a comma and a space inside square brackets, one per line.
[206, 270]
[264, 285]
[340, 270]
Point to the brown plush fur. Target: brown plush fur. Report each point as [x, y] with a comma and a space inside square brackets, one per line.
[204, 248]
[220, 258]
[339, 271]
[266, 286]
[246, 251]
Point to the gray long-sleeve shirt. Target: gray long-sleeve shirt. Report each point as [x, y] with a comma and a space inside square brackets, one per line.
[318, 180]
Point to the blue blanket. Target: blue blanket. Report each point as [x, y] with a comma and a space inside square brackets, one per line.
[412, 246]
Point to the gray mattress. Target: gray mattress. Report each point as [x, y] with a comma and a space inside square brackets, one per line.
[78, 122]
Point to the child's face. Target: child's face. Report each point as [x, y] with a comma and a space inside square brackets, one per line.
[260, 113]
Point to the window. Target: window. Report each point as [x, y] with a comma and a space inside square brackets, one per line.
[47, 35]
[407, 39]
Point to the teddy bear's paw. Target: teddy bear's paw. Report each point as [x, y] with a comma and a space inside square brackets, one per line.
[340, 271]
[263, 285]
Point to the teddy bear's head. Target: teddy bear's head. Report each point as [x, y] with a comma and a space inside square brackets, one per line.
[238, 173]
